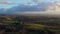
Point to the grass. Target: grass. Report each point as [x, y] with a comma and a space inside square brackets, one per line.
[41, 27]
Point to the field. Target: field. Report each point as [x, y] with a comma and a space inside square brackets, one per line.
[13, 24]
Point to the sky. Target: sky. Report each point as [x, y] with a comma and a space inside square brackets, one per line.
[11, 3]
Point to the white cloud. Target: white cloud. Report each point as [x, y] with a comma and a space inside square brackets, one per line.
[6, 2]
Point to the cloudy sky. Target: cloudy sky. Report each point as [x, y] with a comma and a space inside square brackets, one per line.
[18, 6]
[11, 3]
